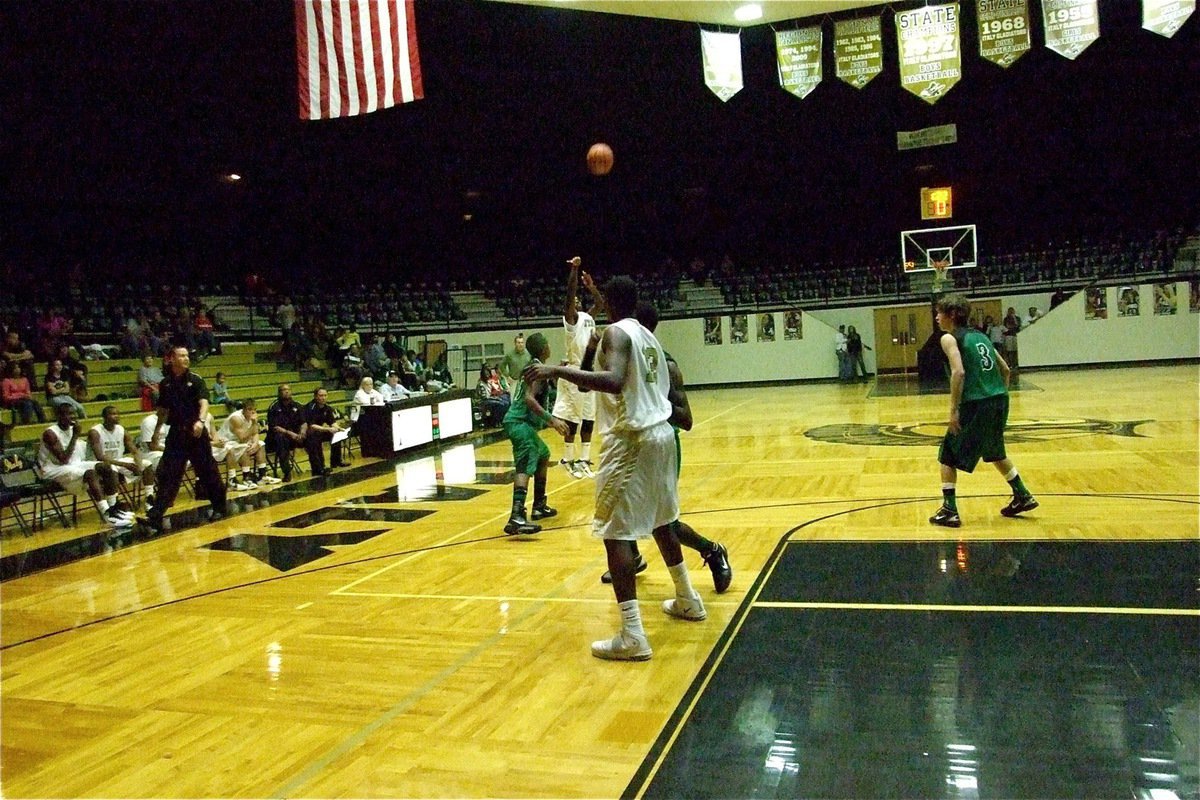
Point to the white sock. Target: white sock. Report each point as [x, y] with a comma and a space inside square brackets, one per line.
[683, 583]
[112, 499]
[103, 504]
[586, 451]
[631, 618]
[948, 486]
[1012, 474]
[569, 451]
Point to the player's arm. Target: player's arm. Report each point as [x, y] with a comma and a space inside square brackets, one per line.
[615, 346]
[1005, 370]
[131, 448]
[570, 313]
[957, 374]
[681, 409]
[532, 390]
[597, 298]
[56, 449]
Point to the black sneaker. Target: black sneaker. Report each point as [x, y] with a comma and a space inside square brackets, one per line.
[946, 518]
[519, 526]
[543, 511]
[717, 560]
[640, 567]
[1018, 505]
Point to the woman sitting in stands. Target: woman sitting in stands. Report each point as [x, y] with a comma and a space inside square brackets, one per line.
[17, 395]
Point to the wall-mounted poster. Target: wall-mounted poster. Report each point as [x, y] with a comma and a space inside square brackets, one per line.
[1165, 301]
[1194, 285]
[1128, 304]
[712, 330]
[766, 327]
[739, 329]
[792, 326]
[1096, 306]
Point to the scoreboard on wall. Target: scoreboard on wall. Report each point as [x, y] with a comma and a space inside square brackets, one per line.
[937, 202]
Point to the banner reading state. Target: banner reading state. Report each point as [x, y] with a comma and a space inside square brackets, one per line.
[1003, 30]
[1071, 25]
[722, 63]
[930, 57]
[1164, 17]
[798, 54]
[858, 50]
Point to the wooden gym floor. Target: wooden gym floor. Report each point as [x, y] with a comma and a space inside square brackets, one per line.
[374, 634]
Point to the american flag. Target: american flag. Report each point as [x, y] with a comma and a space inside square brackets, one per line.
[356, 56]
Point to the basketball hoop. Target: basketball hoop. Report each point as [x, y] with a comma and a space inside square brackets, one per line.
[939, 274]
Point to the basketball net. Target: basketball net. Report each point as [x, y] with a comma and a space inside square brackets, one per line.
[939, 274]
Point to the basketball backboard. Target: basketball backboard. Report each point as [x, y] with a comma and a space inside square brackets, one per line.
[952, 246]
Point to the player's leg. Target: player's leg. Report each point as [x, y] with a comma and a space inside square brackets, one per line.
[715, 556]
[541, 509]
[525, 458]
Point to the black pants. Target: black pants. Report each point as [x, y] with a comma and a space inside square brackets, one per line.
[313, 441]
[176, 455]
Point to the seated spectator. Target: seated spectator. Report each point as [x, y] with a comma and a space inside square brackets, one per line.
[434, 384]
[299, 347]
[111, 444]
[1034, 316]
[367, 395]
[17, 395]
[61, 459]
[286, 428]
[394, 390]
[352, 367]
[493, 400]
[206, 339]
[77, 373]
[376, 360]
[15, 352]
[220, 392]
[150, 377]
[58, 390]
[241, 429]
[408, 373]
[323, 423]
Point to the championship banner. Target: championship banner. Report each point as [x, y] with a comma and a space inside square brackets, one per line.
[1003, 30]
[858, 50]
[798, 53]
[1071, 25]
[930, 57]
[1164, 17]
[927, 137]
[722, 63]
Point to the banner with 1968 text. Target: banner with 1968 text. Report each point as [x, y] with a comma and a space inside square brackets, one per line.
[1003, 30]
[858, 50]
[798, 53]
[930, 56]
[1071, 25]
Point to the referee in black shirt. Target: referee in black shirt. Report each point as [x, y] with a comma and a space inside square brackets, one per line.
[183, 404]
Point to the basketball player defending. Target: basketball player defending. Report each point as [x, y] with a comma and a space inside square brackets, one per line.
[573, 406]
[978, 411]
[637, 494]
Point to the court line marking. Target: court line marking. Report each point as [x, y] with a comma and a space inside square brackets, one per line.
[1155, 612]
[507, 598]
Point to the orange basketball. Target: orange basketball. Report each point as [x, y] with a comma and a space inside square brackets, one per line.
[600, 159]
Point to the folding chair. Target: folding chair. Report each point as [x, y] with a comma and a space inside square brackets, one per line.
[273, 459]
[16, 479]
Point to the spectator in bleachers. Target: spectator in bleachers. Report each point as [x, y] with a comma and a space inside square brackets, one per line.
[18, 395]
[150, 378]
[376, 360]
[435, 382]
[15, 352]
[353, 369]
[322, 422]
[285, 317]
[408, 373]
[285, 429]
[206, 339]
[58, 389]
[493, 400]
[220, 392]
[392, 348]
[76, 371]
[1034, 316]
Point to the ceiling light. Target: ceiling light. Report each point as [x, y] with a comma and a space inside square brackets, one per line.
[748, 12]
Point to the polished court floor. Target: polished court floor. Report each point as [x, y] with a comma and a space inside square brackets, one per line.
[374, 634]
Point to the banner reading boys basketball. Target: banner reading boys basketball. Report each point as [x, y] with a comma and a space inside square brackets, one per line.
[798, 54]
[930, 58]
[858, 50]
[1164, 17]
[1003, 30]
[722, 63]
[1071, 25]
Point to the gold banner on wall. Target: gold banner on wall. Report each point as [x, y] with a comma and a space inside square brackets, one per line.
[1164, 17]
[1071, 25]
[1003, 30]
[930, 56]
[858, 50]
[798, 55]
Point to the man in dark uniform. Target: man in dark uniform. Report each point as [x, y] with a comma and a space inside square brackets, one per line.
[183, 404]
[286, 428]
[322, 425]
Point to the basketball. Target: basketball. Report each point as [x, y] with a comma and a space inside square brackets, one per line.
[600, 159]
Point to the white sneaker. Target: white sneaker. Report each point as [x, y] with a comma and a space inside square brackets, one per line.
[238, 486]
[624, 646]
[576, 469]
[585, 467]
[691, 609]
[269, 480]
[569, 466]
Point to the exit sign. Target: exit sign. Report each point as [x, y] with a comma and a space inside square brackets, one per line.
[936, 203]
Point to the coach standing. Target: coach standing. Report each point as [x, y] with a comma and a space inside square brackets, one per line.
[183, 405]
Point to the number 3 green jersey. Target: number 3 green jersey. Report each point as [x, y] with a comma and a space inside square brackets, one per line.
[983, 377]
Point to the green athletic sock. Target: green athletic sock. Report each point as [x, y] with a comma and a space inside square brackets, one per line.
[1018, 487]
[948, 497]
[519, 496]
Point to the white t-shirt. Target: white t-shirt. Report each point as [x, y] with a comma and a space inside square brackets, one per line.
[643, 402]
[577, 336]
[112, 442]
[146, 431]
